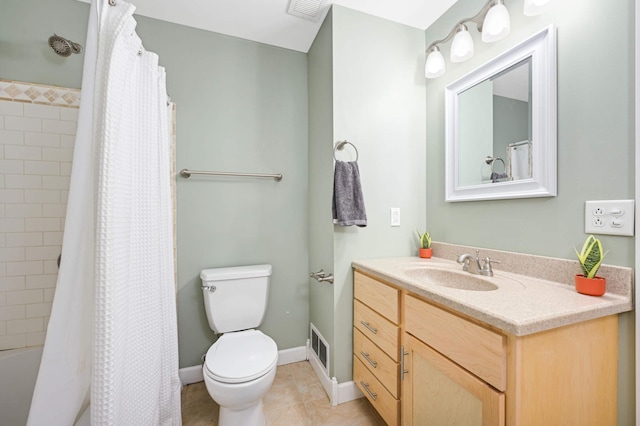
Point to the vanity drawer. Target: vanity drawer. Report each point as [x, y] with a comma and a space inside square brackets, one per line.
[384, 368]
[380, 297]
[376, 328]
[475, 348]
[385, 404]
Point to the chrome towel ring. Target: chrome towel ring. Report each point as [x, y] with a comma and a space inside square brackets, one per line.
[493, 160]
[340, 146]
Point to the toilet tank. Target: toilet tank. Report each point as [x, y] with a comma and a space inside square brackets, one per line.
[236, 297]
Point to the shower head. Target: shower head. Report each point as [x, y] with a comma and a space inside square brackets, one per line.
[63, 46]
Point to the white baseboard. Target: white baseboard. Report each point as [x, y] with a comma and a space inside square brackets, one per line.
[348, 391]
[338, 393]
[291, 355]
[190, 375]
[193, 374]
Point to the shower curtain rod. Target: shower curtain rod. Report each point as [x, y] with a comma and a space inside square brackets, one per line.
[185, 173]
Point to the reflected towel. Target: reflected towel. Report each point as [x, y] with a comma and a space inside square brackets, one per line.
[498, 177]
[348, 202]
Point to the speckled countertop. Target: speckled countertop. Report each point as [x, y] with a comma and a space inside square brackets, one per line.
[521, 304]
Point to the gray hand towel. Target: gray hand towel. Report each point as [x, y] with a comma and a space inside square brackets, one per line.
[348, 202]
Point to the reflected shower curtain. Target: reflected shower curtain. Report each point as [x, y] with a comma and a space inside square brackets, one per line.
[111, 342]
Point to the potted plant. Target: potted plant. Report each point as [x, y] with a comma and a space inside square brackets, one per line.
[590, 259]
[425, 244]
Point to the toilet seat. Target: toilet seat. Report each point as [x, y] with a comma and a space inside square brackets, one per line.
[240, 357]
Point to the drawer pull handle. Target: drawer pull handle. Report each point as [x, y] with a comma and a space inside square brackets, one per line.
[366, 356]
[366, 387]
[371, 329]
[402, 369]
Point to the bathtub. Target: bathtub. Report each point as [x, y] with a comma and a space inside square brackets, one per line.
[18, 372]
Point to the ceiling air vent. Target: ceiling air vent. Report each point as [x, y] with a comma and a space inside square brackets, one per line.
[310, 10]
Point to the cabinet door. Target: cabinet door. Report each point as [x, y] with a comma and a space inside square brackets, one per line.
[438, 392]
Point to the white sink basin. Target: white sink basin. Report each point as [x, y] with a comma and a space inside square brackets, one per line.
[457, 279]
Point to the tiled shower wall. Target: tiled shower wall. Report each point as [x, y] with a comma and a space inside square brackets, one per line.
[37, 128]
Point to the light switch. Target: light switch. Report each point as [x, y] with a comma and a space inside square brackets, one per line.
[395, 216]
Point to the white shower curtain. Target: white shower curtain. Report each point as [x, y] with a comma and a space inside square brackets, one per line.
[111, 342]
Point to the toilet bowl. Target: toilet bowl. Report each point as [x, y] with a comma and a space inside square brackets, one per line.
[240, 366]
[238, 371]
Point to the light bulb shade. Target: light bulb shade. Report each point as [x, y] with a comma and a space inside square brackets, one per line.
[497, 23]
[462, 46]
[536, 7]
[435, 64]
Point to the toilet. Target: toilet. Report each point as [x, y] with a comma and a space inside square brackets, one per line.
[240, 366]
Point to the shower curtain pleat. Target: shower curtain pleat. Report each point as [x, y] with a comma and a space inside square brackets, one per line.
[122, 306]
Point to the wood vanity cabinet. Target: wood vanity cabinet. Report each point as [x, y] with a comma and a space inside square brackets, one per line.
[459, 371]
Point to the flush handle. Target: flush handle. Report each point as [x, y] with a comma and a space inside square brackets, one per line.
[210, 288]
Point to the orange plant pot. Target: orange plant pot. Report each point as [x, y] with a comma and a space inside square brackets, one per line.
[595, 286]
[426, 253]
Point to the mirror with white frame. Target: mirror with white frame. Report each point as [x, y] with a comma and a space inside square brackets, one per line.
[501, 125]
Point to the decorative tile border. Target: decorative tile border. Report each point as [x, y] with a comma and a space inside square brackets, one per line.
[19, 91]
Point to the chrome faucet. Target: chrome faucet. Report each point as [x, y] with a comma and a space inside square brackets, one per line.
[472, 264]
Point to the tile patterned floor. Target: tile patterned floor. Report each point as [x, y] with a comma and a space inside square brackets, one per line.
[295, 398]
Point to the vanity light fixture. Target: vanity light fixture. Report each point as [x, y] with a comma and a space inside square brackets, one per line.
[462, 45]
[435, 63]
[497, 23]
[493, 21]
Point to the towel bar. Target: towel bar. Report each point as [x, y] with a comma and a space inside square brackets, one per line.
[185, 173]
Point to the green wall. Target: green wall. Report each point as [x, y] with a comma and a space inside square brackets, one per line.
[378, 105]
[595, 144]
[365, 86]
[241, 106]
[25, 27]
[321, 312]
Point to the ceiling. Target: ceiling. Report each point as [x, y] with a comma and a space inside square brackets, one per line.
[267, 21]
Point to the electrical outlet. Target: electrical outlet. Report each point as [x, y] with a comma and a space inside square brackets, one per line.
[612, 217]
[395, 216]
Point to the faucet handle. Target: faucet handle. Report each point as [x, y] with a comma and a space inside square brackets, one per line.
[487, 264]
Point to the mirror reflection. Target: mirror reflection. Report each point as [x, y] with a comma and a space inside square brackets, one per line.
[494, 128]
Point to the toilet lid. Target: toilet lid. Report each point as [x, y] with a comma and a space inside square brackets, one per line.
[241, 356]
